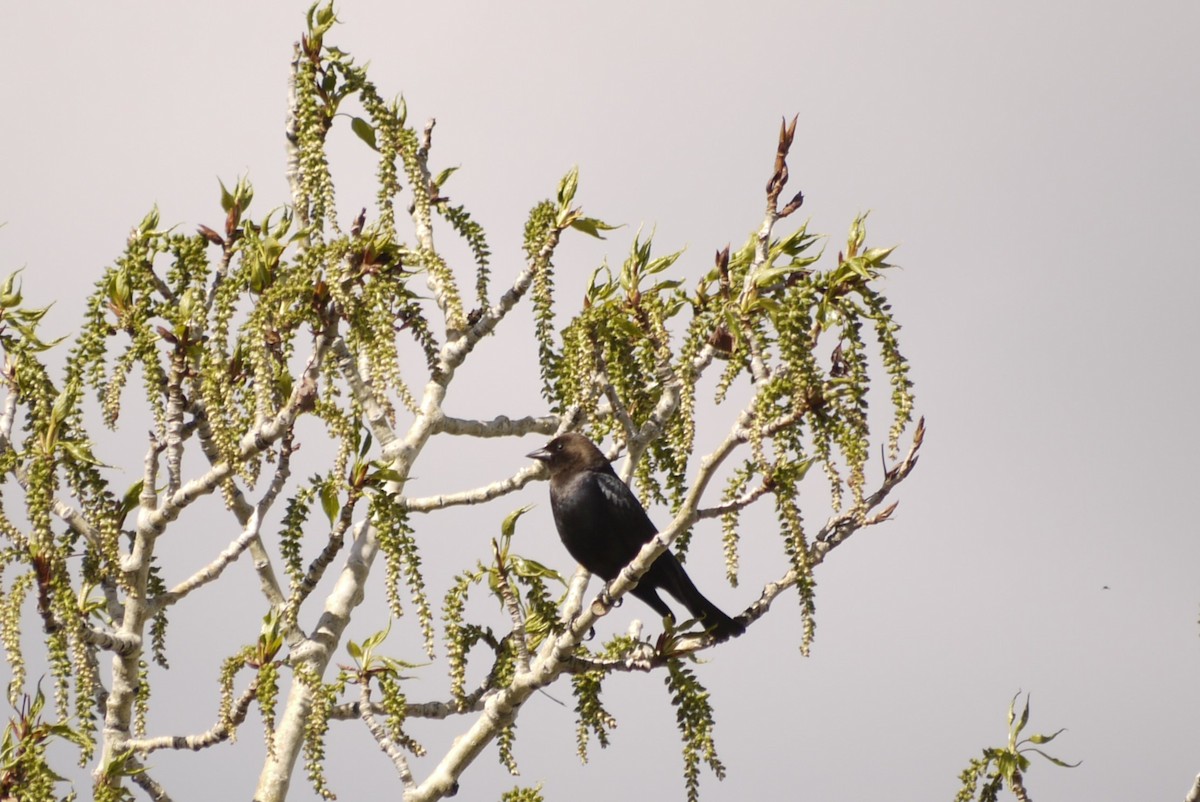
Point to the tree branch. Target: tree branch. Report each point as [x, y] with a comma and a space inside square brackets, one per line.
[514, 610]
[142, 779]
[479, 495]
[253, 443]
[316, 569]
[1194, 794]
[242, 510]
[840, 527]
[251, 534]
[218, 733]
[740, 503]
[499, 426]
[364, 394]
[213, 570]
[389, 747]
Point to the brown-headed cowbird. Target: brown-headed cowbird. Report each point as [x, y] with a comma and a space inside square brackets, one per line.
[604, 526]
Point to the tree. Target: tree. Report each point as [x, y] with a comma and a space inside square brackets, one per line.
[246, 333]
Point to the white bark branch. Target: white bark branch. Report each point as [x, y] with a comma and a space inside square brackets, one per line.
[219, 732]
[116, 642]
[499, 426]
[430, 710]
[364, 394]
[389, 747]
[477, 496]
[214, 569]
[242, 510]
[314, 654]
[740, 503]
[1194, 794]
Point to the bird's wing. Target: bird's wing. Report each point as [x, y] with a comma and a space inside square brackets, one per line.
[625, 507]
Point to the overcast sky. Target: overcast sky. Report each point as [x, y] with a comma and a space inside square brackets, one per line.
[1037, 165]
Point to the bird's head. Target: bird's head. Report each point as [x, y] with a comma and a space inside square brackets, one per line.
[569, 452]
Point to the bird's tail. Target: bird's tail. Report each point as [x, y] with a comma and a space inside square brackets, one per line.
[720, 625]
[680, 585]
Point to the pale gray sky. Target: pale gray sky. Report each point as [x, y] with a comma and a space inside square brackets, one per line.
[1036, 162]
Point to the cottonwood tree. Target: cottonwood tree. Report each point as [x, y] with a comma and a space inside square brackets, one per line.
[241, 332]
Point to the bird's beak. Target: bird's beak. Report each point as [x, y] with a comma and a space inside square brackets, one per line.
[541, 455]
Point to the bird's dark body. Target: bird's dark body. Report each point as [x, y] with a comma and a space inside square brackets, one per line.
[604, 526]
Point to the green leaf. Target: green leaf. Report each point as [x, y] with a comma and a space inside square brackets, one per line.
[365, 131]
[1024, 718]
[440, 180]
[661, 263]
[377, 638]
[876, 256]
[385, 475]
[1006, 764]
[509, 526]
[64, 402]
[567, 187]
[320, 19]
[226, 197]
[601, 290]
[149, 222]
[524, 567]
[1045, 739]
[355, 650]
[329, 501]
[397, 665]
[1056, 761]
[592, 226]
[130, 500]
[80, 452]
[768, 275]
[10, 295]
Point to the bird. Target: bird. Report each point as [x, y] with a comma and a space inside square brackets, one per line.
[604, 526]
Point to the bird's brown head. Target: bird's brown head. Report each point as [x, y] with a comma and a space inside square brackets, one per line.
[569, 452]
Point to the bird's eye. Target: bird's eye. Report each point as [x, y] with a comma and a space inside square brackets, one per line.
[557, 446]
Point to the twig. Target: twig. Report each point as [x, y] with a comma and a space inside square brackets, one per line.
[116, 642]
[477, 496]
[363, 393]
[840, 527]
[617, 407]
[740, 503]
[499, 426]
[316, 569]
[430, 710]
[389, 747]
[213, 570]
[242, 510]
[217, 734]
[514, 609]
[142, 779]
